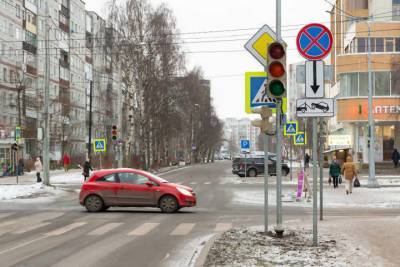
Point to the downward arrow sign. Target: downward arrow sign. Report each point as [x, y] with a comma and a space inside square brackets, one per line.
[314, 86]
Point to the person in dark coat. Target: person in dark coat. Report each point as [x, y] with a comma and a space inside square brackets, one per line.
[307, 161]
[86, 169]
[20, 167]
[395, 158]
[334, 171]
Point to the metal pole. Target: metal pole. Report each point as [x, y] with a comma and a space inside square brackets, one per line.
[90, 120]
[266, 158]
[279, 228]
[290, 160]
[315, 184]
[120, 159]
[245, 165]
[278, 20]
[46, 141]
[321, 170]
[372, 182]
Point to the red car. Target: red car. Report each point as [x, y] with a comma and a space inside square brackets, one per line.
[133, 188]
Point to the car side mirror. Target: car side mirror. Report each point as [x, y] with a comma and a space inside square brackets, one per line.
[148, 183]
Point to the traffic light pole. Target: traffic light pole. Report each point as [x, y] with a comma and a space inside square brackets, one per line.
[279, 228]
[266, 158]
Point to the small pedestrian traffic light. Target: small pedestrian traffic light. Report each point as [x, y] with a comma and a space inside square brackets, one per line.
[276, 69]
[114, 133]
[265, 124]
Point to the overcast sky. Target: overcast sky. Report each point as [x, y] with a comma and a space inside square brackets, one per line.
[226, 69]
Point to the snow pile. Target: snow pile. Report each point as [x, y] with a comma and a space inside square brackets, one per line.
[67, 178]
[8, 192]
[244, 247]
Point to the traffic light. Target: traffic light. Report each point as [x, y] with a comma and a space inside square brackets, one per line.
[266, 123]
[14, 146]
[276, 69]
[114, 133]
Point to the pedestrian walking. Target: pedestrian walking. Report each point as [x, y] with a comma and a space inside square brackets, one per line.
[306, 161]
[86, 169]
[20, 168]
[66, 162]
[38, 169]
[395, 158]
[334, 171]
[349, 171]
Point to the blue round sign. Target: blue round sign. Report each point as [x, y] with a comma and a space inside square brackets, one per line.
[314, 41]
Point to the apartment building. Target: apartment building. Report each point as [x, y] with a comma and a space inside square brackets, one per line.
[349, 134]
[24, 27]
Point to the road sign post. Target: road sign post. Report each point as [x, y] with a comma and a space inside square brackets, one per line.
[245, 146]
[266, 158]
[315, 183]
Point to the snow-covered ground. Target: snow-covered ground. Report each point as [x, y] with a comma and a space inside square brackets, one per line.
[249, 247]
[361, 197]
[75, 177]
[12, 192]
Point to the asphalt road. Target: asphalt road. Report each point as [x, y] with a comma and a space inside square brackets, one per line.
[61, 233]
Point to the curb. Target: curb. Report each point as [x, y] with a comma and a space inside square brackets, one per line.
[201, 259]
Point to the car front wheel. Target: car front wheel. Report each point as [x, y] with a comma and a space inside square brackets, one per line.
[168, 204]
[94, 203]
[252, 173]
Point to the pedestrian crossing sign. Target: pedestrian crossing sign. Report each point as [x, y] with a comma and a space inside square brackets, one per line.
[256, 94]
[290, 128]
[99, 145]
[300, 139]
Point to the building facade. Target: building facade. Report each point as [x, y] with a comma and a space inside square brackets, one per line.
[349, 129]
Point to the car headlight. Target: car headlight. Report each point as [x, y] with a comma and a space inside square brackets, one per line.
[184, 191]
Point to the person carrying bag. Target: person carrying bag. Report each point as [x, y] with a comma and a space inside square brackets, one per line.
[349, 171]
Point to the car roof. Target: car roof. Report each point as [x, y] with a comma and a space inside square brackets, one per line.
[99, 173]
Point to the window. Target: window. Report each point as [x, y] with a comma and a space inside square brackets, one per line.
[379, 45]
[381, 83]
[397, 47]
[373, 44]
[396, 82]
[107, 178]
[362, 45]
[363, 79]
[17, 11]
[132, 178]
[389, 45]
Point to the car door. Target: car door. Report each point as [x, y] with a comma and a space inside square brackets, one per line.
[108, 187]
[134, 190]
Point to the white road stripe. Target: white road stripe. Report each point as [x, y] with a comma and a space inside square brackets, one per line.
[220, 227]
[144, 229]
[179, 183]
[105, 228]
[65, 229]
[193, 183]
[30, 228]
[5, 214]
[183, 229]
[6, 223]
[207, 183]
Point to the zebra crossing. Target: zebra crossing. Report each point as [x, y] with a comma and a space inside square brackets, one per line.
[42, 224]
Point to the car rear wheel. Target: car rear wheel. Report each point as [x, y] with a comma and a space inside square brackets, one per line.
[252, 173]
[168, 204]
[94, 203]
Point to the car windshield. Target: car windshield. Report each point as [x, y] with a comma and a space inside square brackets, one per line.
[157, 178]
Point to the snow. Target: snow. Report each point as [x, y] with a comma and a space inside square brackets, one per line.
[250, 247]
[67, 178]
[386, 197]
[8, 192]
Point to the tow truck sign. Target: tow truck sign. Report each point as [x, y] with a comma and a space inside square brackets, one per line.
[315, 107]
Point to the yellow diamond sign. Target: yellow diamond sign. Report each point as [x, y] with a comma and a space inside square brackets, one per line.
[257, 45]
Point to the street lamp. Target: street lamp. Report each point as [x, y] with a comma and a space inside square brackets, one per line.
[372, 182]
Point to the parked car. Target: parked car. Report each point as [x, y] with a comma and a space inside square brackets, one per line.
[133, 188]
[236, 161]
[255, 166]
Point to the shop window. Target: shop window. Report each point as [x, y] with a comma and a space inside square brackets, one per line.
[382, 83]
[353, 84]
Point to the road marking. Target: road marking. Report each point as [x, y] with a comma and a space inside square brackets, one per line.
[66, 229]
[207, 183]
[22, 245]
[179, 183]
[5, 214]
[178, 169]
[221, 227]
[105, 228]
[183, 229]
[30, 228]
[144, 229]
[7, 223]
[193, 183]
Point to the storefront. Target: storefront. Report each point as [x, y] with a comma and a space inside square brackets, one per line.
[6, 154]
[353, 113]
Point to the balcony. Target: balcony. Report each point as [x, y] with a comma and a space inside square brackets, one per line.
[64, 10]
[29, 47]
[89, 60]
[89, 40]
[31, 70]
[63, 27]
[64, 83]
[64, 63]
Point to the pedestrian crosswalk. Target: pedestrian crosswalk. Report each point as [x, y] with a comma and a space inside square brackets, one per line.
[53, 225]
